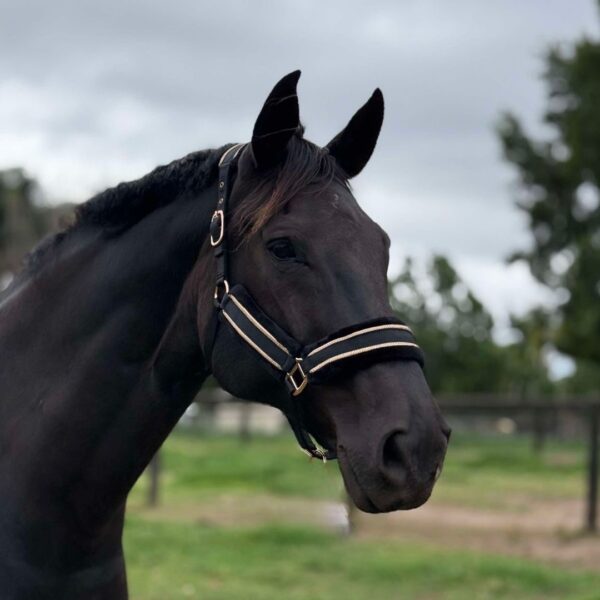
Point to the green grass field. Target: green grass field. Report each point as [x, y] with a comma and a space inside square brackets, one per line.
[174, 553]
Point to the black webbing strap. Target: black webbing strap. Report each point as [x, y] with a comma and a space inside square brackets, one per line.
[387, 336]
[218, 239]
[377, 339]
[254, 333]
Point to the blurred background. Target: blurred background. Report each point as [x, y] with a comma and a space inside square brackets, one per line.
[486, 177]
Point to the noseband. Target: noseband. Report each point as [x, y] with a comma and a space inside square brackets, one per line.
[290, 362]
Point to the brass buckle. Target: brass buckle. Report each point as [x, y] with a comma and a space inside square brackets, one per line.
[297, 386]
[218, 214]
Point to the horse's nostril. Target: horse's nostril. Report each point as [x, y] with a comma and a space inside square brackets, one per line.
[405, 457]
[393, 455]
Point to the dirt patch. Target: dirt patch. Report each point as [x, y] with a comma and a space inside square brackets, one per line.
[548, 531]
[255, 509]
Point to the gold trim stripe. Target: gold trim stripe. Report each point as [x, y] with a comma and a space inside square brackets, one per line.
[250, 342]
[360, 351]
[361, 332]
[258, 326]
[235, 149]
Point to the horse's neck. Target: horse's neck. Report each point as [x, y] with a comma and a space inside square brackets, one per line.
[100, 357]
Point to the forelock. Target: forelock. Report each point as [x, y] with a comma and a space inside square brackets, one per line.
[305, 165]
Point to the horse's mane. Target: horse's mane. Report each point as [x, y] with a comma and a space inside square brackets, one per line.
[127, 203]
[124, 205]
[119, 208]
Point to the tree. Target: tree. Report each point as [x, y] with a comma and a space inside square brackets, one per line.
[21, 222]
[528, 356]
[453, 327]
[559, 179]
[24, 218]
[456, 332]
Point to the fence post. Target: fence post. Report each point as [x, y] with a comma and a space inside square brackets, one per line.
[593, 467]
[351, 513]
[245, 415]
[154, 472]
[539, 429]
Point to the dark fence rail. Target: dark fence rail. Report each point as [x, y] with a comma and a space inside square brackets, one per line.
[586, 408]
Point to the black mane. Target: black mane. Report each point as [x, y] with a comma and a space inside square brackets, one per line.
[127, 203]
[119, 208]
[124, 205]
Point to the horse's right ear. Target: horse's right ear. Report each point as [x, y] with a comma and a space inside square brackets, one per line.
[276, 123]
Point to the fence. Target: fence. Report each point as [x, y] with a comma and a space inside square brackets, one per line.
[541, 413]
[543, 416]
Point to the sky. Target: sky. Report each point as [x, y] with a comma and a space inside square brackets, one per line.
[93, 93]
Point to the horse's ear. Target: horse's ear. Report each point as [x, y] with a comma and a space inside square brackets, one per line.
[353, 146]
[276, 123]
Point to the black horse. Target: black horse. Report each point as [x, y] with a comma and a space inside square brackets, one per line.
[104, 341]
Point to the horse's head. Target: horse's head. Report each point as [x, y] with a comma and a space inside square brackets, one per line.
[316, 263]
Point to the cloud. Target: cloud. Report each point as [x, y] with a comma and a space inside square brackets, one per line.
[94, 93]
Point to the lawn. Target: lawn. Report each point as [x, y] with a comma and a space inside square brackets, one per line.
[499, 472]
[480, 471]
[175, 552]
[177, 561]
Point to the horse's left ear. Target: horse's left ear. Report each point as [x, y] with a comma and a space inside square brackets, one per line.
[276, 123]
[353, 146]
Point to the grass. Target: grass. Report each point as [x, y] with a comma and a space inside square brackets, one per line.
[186, 558]
[500, 472]
[493, 472]
[204, 466]
[177, 561]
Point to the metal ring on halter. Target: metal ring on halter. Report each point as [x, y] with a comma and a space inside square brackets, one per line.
[220, 216]
[224, 285]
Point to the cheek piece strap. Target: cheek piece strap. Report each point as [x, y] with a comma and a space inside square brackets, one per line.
[296, 365]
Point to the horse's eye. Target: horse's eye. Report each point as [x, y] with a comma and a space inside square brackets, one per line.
[282, 249]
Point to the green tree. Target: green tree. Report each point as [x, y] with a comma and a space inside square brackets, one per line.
[22, 221]
[453, 327]
[528, 362]
[24, 218]
[559, 180]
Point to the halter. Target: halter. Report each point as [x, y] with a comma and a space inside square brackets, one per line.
[295, 365]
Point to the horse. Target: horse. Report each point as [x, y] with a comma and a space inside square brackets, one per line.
[113, 325]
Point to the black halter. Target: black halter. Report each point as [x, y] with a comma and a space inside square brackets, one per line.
[285, 358]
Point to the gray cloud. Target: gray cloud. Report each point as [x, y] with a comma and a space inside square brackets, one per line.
[92, 93]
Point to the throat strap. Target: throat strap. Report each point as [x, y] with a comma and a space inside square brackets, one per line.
[218, 237]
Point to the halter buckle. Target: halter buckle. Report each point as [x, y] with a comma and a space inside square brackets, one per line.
[222, 286]
[220, 216]
[296, 386]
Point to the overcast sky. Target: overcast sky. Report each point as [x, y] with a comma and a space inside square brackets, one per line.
[92, 93]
